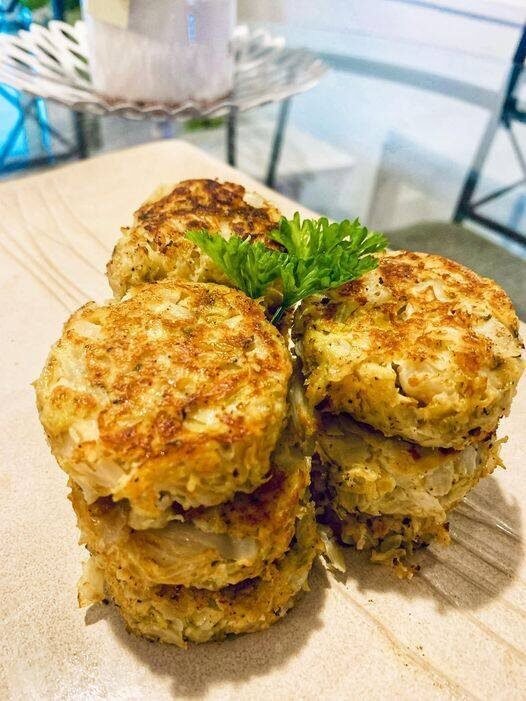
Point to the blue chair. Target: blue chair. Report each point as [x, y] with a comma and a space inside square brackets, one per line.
[22, 111]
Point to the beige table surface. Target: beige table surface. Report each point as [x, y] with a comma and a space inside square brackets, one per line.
[457, 630]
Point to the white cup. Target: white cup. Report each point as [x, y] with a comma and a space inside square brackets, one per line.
[165, 51]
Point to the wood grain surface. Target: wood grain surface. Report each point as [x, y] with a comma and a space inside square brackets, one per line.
[458, 630]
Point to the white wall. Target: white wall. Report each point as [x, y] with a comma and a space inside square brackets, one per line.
[401, 20]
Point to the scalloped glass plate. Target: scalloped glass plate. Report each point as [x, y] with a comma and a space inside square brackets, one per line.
[52, 62]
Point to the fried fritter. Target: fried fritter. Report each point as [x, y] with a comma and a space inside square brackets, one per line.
[420, 348]
[156, 246]
[210, 547]
[388, 495]
[178, 615]
[175, 394]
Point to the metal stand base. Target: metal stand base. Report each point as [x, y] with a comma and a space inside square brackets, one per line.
[277, 141]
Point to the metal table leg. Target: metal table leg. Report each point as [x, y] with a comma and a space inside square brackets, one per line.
[58, 8]
[231, 133]
[277, 143]
[505, 111]
[79, 127]
[470, 184]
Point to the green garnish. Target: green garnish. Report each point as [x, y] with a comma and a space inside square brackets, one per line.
[319, 256]
[251, 266]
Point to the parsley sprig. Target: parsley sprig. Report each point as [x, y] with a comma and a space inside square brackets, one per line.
[318, 256]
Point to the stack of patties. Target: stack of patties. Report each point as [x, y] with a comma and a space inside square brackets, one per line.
[167, 409]
[407, 371]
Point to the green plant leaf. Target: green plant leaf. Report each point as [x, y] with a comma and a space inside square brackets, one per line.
[318, 256]
[250, 266]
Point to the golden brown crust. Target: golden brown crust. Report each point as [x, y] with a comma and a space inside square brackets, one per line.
[370, 473]
[156, 245]
[177, 393]
[421, 347]
[179, 615]
[206, 547]
[389, 496]
[207, 203]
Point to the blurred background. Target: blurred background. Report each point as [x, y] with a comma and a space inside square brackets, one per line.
[418, 128]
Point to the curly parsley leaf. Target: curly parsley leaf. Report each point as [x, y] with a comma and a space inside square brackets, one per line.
[250, 266]
[313, 237]
[302, 278]
[319, 256]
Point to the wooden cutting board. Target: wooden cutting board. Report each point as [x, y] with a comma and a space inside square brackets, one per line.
[456, 630]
